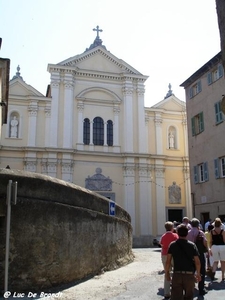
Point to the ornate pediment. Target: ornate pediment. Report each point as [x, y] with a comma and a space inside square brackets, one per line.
[98, 182]
[172, 103]
[99, 59]
[17, 86]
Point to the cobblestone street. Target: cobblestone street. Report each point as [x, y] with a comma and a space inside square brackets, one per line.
[142, 279]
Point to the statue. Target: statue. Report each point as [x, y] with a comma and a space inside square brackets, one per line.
[14, 127]
[174, 194]
[171, 140]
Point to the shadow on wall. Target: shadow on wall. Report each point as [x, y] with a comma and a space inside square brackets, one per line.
[60, 233]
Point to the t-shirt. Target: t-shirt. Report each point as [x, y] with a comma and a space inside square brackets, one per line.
[183, 252]
[166, 239]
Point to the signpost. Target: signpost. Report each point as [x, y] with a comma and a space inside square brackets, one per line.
[112, 208]
[11, 199]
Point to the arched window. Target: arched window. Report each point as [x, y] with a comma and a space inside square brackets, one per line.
[86, 137]
[98, 131]
[110, 133]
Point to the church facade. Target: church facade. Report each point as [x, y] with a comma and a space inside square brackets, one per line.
[93, 129]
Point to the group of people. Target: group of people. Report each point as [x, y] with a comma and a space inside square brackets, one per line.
[185, 251]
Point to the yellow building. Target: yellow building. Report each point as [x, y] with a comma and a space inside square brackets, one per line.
[93, 129]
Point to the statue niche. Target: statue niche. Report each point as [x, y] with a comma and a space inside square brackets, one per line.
[174, 194]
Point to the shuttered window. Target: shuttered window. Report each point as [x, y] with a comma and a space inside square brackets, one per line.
[197, 124]
[218, 112]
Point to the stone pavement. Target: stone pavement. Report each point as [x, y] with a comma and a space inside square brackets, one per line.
[141, 279]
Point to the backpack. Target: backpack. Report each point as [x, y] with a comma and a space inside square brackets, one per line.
[199, 242]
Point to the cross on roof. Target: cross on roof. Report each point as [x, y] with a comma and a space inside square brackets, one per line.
[98, 30]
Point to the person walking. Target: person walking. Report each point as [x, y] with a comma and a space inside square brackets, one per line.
[207, 224]
[198, 237]
[208, 238]
[165, 241]
[186, 266]
[218, 248]
[186, 222]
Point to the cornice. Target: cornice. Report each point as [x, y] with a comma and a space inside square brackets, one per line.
[29, 98]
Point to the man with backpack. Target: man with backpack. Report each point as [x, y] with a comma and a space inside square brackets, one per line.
[198, 237]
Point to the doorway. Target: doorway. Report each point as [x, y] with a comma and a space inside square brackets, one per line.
[175, 215]
[204, 217]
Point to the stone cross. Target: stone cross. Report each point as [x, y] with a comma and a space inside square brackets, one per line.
[98, 30]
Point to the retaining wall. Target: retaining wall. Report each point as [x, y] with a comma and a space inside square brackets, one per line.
[60, 233]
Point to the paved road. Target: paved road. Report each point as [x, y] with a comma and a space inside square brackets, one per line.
[141, 279]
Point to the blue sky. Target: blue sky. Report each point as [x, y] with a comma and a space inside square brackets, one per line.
[165, 40]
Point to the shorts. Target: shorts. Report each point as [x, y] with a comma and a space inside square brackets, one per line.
[218, 252]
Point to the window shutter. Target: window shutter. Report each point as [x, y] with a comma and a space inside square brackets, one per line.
[220, 71]
[199, 86]
[195, 174]
[209, 78]
[216, 167]
[191, 92]
[193, 125]
[206, 175]
[201, 125]
[217, 112]
[220, 112]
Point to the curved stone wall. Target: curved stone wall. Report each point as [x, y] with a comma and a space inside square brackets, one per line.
[60, 233]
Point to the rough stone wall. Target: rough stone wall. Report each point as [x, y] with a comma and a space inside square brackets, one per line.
[60, 233]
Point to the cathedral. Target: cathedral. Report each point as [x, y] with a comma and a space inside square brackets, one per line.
[92, 129]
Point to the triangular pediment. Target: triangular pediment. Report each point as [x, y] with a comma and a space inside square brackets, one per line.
[99, 60]
[20, 88]
[171, 103]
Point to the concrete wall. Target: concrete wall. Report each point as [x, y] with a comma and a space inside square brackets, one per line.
[60, 233]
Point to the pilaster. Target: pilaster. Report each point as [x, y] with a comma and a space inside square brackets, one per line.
[129, 192]
[55, 85]
[116, 110]
[160, 198]
[32, 123]
[128, 116]
[80, 125]
[68, 110]
[158, 133]
[47, 123]
[145, 204]
[67, 168]
[142, 142]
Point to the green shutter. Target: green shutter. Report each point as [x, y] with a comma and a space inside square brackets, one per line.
[220, 70]
[199, 85]
[209, 78]
[193, 125]
[206, 175]
[195, 174]
[217, 112]
[191, 92]
[216, 168]
[201, 125]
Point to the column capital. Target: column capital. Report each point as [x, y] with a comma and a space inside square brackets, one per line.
[140, 91]
[127, 90]
[30, 165]
[159, 172]
[33, 109]
[158, 120]
[80, 106]
[47, 111]
[129, 170]
[116, 109]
